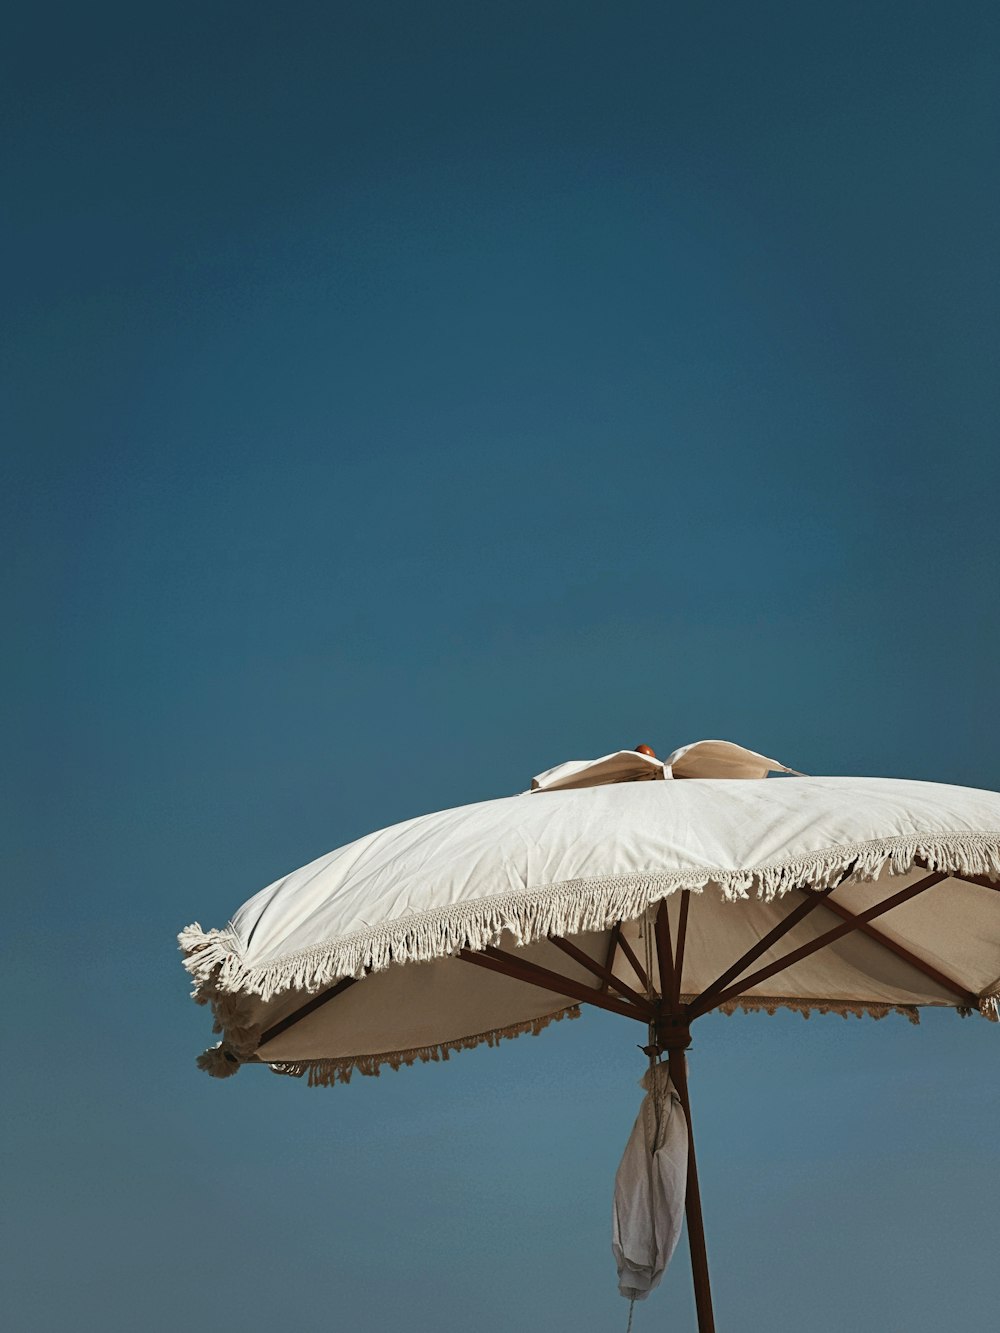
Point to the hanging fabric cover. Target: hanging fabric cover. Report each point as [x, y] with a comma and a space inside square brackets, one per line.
[650, 1188]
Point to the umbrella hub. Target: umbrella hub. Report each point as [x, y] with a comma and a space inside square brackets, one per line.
[670, 1032]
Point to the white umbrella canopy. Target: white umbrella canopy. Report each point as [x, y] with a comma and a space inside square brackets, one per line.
[614, 883]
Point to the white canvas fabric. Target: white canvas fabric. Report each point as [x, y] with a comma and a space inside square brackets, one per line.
[650, 1188]
[573, 862]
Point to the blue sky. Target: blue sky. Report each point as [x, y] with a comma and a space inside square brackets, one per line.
[397, 401]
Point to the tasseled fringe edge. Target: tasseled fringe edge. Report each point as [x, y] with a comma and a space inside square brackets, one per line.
[989, 1006]
[215, 961]
[219, 1061]
[206, 954]
[240, 1037]
[845, 1008]
[325, 1073]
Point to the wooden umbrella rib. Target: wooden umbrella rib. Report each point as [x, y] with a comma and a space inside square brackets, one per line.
[704, 1004]
[609, 961]
[592, 965]
[981, 880]
[900, 950]
[664, 953]
[634, 963]
[520, 970]
[305, 1010]
[534, 973]
[681, 940]
[708, 996]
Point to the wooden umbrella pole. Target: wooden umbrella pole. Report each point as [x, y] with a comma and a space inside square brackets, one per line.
[692, 1208]
[672, 1028]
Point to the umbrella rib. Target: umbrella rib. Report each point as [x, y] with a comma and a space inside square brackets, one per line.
[591, 964]
[609, 961]
[664, 956]
[533, 975]
[928, 969]
[705, 1003]
[708, 996]
[681, 939]
[639, 1008]
[636, 966]
[981, 880]
[310, 1007]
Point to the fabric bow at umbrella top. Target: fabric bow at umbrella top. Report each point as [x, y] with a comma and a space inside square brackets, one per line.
[703, 759]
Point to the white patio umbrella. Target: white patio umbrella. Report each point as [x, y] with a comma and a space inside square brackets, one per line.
[612, 883]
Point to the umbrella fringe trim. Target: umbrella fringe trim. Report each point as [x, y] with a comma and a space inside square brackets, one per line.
[845, 1008]
[215, 959]
[239, 1043]
[989, 1003]
[326, 1073]
[240, 1039]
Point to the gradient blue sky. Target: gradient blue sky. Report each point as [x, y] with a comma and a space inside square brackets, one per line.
[398, 400]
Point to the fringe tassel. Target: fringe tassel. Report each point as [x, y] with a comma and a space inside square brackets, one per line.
[206, 953]
[240, 1037]
[845, 1008]
[325, 1073]
[219, 1061]
[215, 961]
[232, 1019]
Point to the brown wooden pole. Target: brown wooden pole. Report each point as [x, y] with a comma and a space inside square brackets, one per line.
[692, 1206]
[673, 1035]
